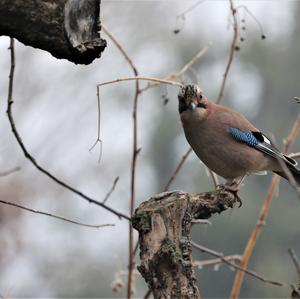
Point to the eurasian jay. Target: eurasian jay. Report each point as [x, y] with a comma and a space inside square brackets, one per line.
[226, 142]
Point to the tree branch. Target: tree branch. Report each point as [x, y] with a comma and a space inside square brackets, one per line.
[68, 29]
[30, 157]
[52, 215]
[235, 266]
[232, 50]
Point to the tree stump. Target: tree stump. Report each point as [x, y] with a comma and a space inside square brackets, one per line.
[164, 225]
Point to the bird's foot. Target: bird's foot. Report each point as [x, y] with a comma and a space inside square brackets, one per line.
[220, 187]
[234, 190]
[238, 198]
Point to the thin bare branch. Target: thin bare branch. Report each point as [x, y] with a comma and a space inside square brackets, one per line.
[295, 289]
[111, 190]
[231, 264]
[123, 52]
[295, 260]
[247, 10]
[216, 261]
[214, 178]
[8, 172]
[262, 217]
[98, 140]
[148, 294]
[135, 152]
[182, 15]
[162, 81]
[119, 46]
[31, 158]
[232, 50]
[53, 216]
[181, 72]
[181, 162]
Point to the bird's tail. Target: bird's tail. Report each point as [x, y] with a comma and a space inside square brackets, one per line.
[293, 170]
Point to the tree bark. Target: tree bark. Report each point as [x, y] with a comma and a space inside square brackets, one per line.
[68, 29]
[164, 224]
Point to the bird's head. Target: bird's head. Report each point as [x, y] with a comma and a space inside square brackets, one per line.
[191, 98]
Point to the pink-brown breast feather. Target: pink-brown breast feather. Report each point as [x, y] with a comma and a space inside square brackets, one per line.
[206, 131]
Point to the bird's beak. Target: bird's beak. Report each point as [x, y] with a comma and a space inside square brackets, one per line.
[192, 105]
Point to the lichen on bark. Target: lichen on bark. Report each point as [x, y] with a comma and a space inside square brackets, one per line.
[164, 225]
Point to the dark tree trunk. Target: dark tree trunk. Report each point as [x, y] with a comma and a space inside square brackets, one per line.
[164, 224]
[68, 29]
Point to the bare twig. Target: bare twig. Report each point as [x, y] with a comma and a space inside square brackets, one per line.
[118, 45]
[52, 215]
[31, 158]
[114, 40]
[247, 10]
[181, 162]
[231, 264]
[148, 294]
[295, 260]
[162, 81]
[232, 50]
[8, 172]
[111, 190]
[182, 71]
[182, 15]
[296, 290]
[262, 217]
[135, 152]
[98, 128]
[216, 261]
[214, 178]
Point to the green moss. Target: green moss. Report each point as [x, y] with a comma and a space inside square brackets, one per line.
[170, 250]
[141, 221]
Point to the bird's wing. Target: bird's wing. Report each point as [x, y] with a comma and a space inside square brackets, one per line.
[260, 142]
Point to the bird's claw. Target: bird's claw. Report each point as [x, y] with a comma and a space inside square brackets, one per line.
[220, 187]
[232, 190]
[238, 198]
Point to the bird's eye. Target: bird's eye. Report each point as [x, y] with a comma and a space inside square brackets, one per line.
[182, 106]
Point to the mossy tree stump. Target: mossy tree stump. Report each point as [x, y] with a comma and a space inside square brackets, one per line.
[164, 225]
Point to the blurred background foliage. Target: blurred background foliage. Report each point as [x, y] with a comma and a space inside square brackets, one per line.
[55, 112]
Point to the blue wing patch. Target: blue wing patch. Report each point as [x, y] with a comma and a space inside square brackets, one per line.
[246, 137]
[261, 143]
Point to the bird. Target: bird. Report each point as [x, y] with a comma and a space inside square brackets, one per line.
[227, 143]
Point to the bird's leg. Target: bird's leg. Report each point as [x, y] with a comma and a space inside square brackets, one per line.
[234, 185]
